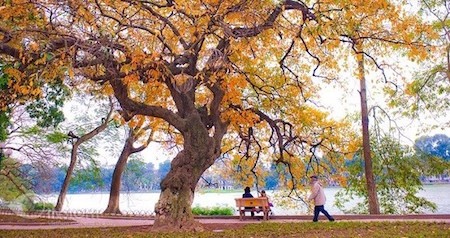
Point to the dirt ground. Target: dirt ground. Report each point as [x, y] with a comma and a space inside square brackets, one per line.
[208, 227]
[223, 226]
[29, 222]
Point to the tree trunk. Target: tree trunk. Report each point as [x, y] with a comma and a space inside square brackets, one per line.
[173, 210]
[114, 194]
[65, 185]
[370, 181]
[73, 155]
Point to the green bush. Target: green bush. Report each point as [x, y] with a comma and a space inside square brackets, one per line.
[39, 206]
[213, 211]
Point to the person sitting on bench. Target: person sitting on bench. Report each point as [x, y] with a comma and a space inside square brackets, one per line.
[247, 194]
[264, 195]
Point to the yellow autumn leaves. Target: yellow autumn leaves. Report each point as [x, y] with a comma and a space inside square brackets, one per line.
[269, 71]
[19, 88]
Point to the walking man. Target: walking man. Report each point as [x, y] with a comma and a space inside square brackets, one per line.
[318, 195]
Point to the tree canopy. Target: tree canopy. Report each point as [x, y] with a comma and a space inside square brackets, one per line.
[229, 79]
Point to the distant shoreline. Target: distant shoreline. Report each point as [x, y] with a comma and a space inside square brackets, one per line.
[213, 190]
[423, 183]
[436, 183]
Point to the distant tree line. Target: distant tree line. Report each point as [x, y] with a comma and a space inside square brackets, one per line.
[437, 145]
[138, 176]
[141, 176]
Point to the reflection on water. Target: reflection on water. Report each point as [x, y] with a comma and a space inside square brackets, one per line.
[140, 202]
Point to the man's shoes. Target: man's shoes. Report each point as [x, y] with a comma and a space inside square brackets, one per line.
[332, 219]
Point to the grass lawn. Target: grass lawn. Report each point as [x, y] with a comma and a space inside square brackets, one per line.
[301, 229]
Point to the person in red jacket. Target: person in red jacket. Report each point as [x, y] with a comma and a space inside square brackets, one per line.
[318, 195]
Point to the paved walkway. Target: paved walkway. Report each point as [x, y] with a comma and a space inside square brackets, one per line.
[86, 222]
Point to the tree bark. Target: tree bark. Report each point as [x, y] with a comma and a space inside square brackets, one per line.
[173, 210]
[65, 185]
[374, 207]
[116, 182]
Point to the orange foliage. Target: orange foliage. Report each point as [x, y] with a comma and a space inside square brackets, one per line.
[248, 63]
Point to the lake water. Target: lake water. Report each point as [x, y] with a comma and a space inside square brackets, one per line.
[143, 203]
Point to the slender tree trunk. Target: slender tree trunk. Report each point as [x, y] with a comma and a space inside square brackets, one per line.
[65, 185]
[173, 210]
[73, 156]
[116, 182]
[370, 181]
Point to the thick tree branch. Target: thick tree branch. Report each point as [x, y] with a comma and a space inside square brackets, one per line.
[8, 50]
[145, 144]
[99, 128]
[132, 107]
[169, 23]
[240, 32]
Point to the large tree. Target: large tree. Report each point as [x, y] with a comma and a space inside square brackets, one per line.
[223, 77]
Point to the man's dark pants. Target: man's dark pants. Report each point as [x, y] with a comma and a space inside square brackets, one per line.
[318, 209]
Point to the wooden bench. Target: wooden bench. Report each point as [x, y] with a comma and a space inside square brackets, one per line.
[253, 205]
